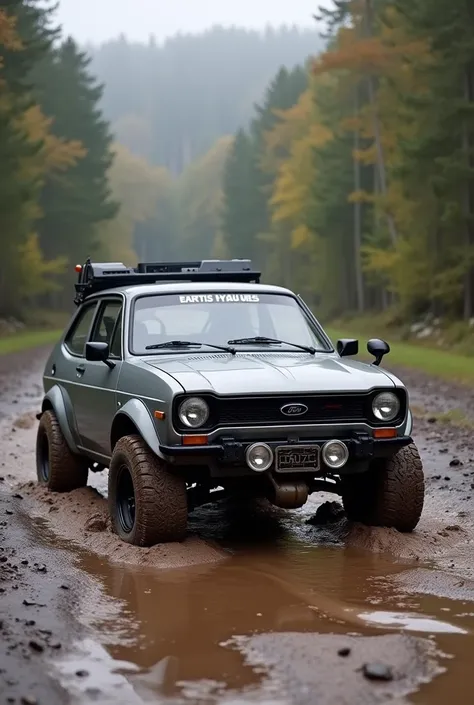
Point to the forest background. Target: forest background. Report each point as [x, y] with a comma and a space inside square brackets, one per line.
[340, 159]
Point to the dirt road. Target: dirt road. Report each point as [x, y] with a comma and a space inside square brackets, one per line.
[257, 606]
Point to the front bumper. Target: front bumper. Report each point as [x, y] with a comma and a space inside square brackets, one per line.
[230, 451]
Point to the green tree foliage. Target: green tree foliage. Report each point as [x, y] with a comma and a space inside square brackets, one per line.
[75, 203]
[247, 180]
[143, 225]
[23, 41]
[369, 178]
[199, 202]
[54, 152]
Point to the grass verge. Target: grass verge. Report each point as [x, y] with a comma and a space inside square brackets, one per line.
[27, 340]
[439, 363]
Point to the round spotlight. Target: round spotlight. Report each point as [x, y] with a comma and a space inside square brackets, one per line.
[335, 454]
[259, 457]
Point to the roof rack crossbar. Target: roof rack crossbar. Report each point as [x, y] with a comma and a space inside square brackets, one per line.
[96, 277]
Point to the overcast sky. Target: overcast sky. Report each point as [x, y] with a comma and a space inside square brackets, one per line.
[96, 20]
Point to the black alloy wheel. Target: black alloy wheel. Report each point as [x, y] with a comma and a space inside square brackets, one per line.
[125, 500]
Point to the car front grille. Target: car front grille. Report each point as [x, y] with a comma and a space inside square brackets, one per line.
[267, 410]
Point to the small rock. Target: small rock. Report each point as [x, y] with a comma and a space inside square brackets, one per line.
[455, 462]
[377, 672]
[97, 522]
[42, 569]
[345, 651]
[82, 673]
[447, 478]
[8, 511]
[432, 419]
[24, 562]
[29, 700]
[29, 603]
[327, 513]
[56, 645]
[64, 587]
[30, 622]
[36, 646]
[18, 496]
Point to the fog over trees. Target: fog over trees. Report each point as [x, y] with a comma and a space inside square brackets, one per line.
[169, 103]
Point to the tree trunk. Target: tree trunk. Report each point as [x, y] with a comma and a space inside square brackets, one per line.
[359, 277]
[376, 126]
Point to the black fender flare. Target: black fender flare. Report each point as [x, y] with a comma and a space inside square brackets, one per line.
[58, 400]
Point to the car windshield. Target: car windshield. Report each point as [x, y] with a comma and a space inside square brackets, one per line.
[216, 318]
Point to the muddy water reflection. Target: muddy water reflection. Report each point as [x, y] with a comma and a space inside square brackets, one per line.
[277, 579]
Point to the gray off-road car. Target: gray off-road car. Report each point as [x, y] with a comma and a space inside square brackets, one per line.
[192, 380]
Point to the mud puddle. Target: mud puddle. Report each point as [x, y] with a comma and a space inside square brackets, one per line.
[283, 619]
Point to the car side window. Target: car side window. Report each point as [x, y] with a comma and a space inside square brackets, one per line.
[77, 337]
[105, 329]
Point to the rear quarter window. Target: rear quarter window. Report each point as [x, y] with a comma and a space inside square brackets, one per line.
[78, 335]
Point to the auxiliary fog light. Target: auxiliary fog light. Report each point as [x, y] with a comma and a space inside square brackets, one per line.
[259, 457]
[335, 454]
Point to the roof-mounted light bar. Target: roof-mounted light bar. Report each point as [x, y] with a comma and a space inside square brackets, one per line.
[95, 277]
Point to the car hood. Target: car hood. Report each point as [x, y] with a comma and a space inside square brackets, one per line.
[271, 373]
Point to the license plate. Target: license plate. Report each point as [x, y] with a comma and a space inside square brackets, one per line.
[297, 458]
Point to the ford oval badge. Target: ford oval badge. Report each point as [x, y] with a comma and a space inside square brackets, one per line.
[294, 409]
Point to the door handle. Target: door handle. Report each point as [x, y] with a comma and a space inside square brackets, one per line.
[80, 369]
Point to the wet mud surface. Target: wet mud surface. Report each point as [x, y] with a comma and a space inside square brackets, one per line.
[257, 606]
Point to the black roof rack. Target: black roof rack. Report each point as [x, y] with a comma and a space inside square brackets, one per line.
[95, 277]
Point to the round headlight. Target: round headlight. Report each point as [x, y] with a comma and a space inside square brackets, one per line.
[335, 454]
[386, 406]
[259, 457]
[193, 412]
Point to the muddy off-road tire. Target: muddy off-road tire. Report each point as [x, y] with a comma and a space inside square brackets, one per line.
[57, 468]
[390, 494]
[147, 503]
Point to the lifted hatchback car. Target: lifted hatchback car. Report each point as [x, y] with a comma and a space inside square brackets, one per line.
[193, 380]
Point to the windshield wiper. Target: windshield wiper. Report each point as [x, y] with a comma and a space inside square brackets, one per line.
[188, 344]
[262, 340]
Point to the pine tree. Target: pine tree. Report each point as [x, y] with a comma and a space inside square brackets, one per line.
[76, 203]
[24, 40]
[241, 204]
[247, 184]
[440, 154]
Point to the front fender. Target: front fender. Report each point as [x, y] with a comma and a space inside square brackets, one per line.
[138, 413]
[61, 405]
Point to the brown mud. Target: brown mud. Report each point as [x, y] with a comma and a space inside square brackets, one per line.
[257, 606]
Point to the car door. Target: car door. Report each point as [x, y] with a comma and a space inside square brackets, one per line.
[95, 400]
[70, 357]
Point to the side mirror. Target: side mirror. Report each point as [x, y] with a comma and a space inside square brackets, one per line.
[347, 347]
[99, 352]
[378, 348]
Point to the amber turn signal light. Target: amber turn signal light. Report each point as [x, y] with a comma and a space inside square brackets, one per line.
[385, 433]
[160, 415]
[195, 440]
